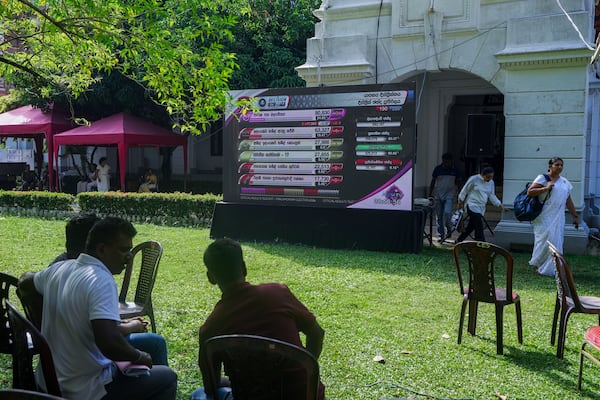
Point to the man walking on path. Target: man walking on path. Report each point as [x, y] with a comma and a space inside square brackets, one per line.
[445, 180]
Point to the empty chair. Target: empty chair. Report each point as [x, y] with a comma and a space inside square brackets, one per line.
[261, 368]
[7, 283]
[146, 257]
[567, 300]
[28, 341]
[481, 258]
[19, 394]
[592, 338]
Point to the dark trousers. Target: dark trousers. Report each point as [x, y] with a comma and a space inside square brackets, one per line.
[475, 224]
[160, 385]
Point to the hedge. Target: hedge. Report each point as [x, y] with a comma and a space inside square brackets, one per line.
[177, 209]
[160, 208]
[37, 200]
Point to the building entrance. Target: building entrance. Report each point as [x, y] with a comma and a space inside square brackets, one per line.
[476, 133]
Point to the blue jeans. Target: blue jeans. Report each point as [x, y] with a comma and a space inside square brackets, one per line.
[151, 343]
[223, 393]
[443, 212]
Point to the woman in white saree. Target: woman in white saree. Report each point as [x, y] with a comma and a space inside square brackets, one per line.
[550, 224]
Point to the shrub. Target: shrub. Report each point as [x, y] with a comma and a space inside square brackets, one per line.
[39, 200]
[195, 187]
[173, 209]
[161, 208]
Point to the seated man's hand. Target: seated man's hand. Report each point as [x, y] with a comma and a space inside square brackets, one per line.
[134, 325]
[144, 359]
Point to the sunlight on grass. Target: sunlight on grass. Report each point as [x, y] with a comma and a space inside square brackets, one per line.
[404, 307]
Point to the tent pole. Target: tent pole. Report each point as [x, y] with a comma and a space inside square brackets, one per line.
[185, 166]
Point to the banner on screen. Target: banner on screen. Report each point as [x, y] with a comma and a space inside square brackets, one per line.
[342, 146]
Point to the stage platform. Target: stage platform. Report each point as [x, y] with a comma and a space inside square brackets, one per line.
[337, 228]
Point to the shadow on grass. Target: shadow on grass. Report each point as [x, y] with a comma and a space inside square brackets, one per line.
[541, 362]
[560, 371]
[433, 263]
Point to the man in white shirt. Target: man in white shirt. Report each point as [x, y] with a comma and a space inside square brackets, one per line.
[81, 322]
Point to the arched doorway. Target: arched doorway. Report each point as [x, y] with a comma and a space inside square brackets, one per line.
[445, 102]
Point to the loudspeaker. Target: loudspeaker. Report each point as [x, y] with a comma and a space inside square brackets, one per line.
[481, 134]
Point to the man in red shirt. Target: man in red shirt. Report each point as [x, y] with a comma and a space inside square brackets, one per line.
[269, 310]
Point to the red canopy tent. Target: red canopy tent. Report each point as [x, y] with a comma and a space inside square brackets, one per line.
[124, 131]
[30, 122]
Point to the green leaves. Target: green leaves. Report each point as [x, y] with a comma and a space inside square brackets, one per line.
[270, 41]
[38, 200]
[161, 208]
[183, 54]
[173, 48]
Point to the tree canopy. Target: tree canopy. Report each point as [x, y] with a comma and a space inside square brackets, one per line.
[269, 41]
[172, 49]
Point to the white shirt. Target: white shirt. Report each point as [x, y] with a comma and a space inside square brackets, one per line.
[103, 178]
[75, 293]
[478, 192]
[93, 176]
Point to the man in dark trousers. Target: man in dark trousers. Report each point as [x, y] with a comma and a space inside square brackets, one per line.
[269, 310]
[81, 321]
[134, 329]
[443, 188]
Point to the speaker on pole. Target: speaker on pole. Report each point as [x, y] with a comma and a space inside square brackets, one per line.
[481, 135]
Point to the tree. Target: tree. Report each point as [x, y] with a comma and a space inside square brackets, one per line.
[173, 49]
[270, 41]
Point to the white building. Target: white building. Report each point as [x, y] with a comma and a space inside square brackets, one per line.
[526, 63]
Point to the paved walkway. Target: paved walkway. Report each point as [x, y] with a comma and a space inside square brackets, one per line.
[492, 219]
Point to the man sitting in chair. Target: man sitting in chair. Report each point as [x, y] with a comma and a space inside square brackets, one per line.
[81, 321]
[28, 178]
[269, 310]
[135, 330]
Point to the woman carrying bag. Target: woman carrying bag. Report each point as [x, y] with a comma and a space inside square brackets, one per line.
[550, 224]
[475, 195]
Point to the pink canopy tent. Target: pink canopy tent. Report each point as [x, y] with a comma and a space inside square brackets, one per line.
[31, 122]
[124, 131]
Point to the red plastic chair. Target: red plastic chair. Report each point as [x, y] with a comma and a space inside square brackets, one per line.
[259, 367]
[567, 300]
[28, 341]
[8, 283]
[481, 258]
[19, 394]
[592, 338]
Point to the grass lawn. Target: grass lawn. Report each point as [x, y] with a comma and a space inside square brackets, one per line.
[404, 307]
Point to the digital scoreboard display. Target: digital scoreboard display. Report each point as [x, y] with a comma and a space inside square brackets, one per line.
[341, 146]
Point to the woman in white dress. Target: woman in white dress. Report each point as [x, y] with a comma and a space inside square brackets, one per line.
[549, 226]
[103, 175]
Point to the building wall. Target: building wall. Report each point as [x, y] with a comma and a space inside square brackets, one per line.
[528, 50]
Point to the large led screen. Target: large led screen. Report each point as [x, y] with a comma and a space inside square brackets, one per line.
[348, 147]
